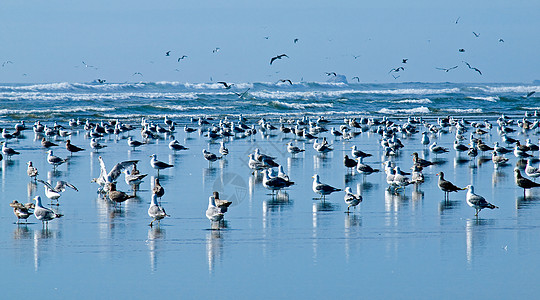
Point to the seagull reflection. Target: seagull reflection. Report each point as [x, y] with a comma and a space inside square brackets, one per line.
[40, 235]
[458, 161]
[352, 222]
[393, 202]
[154, 235]
[498, 177]
[476, 236]
[524, 203]
[321, 161]
[214, 248]
[22, 232]
[31, 188]
[448, 205]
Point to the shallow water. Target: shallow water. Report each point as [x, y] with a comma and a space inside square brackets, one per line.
[406, 245]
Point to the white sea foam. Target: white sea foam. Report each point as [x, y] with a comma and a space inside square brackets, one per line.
[300, 105]
[464, 110]
[417, 101]
[490, 98]
[416, 110]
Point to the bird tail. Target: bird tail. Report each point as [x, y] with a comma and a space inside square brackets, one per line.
[492, 206]
[58, 215]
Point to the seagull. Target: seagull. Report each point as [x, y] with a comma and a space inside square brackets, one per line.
[47, 144]
[168, 53]
[31, 170]
[457, 20]
[118, 196]
[447, 69]
[476, 201]
[94, 144]
[175, 146]
[397, 69]
[44, 214]
[294, 149]
[275, 183]
[295, 41]
[133, 179]
[461, 50]
[286, 80]
[72, 148]
[330, 73]
[54, 193]
[222, 204]
[523, 182]
[87, 65]
[222, 149]
[134, 143]
[182, 57]
[9, 152]
[357, 78]
[22, 211]
[404, 61]
[55, 161]
[477, 70]
[242, 95]
[437, 149]
[476, 34]
[209, 156]
[216, 50]
[363, 168]
[6, 63]
[349, 163]
[278, 57]
[358, 153]
[498, 159]
[158, 190]
[158, 165]
[155, 211]
[446, 186]
[532, 171]
[352, 200]
[530, 94]
[321, 188]
[105, 178]
[213, 213]
[226, 85]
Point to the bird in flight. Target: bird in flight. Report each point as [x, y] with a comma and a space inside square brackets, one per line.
[530, 94]
[226, 85]
[501, 41]
[278, 57]
[242, 95]
[468, 65]
[87, 65]
[356, 56]
[286, 80]
[182, 57]
[397, 69]
[476, 34]
[266, 37]
[404, 61]
[168, 53]
[461, 50]
[357, 78]
[6, 63]
[330, 73]
[137, 73]
[295, 41]
[447, 69]
[395, 77]
[216, 50]
[101, 80]
[457, 20]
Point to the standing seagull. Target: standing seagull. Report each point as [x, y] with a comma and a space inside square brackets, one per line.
[134, 143]
[9, 152]
[31, 170]
[55, 161]
[72, 148]
[118, 196]
[158, 165]
[352, 200]
[44, 214]
[446, 186]
[22, 211]
[278, 57]
[476, 201]
[321, 188]
[213, 213]
[524, 183]
[54, 193]
[209, 156]
[158, 190]
[156, 211]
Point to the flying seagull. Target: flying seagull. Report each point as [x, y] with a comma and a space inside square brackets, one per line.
[476, 34]
[286, 80]
[85, 64]
[216, 50]
[137, 73]
[404, 61]
[501, 40]
[457, 20]
[168, 53]
[330, 73]
[461, 50]
[468, 65]
[356, 56]
[182, 57]
[447, 69]
[397, 69]
[226, 85]
[242, 95]
[6, 63]
[357, 78]
[278, 57]
[295, 41]
[395, 77]
[530, 94]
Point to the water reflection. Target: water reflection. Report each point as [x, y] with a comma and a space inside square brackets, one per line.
[274, 208]
[394, 201]
[476, 237]
[155, 234]
[352, 224]
[40, 242]
[214, 248]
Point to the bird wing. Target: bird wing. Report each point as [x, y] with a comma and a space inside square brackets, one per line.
[48, 185]
[103, 173]
[272, 59]
[60, 185]
[119, 167]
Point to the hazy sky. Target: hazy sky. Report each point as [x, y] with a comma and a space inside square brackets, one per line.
[47, 41]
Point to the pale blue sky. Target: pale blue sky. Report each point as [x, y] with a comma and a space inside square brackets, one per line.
[48, 40]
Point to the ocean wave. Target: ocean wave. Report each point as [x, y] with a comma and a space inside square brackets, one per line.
[490, 98]
[280, 104]
[42, 96]
[186, 108]
[416, 101]
[524, 89]
[464, 110]
[53, 110]
[416, 110]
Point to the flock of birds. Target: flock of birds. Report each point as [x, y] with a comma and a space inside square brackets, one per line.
[468, 140]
